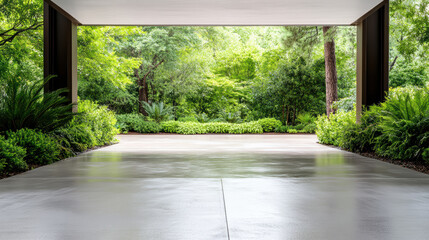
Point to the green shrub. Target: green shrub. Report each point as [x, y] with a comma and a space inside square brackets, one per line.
[99, 119]
[309, 128]
[126, 122]
[218, 127]
[298, 127]
[269, 124]
[291, 130]
[191, 128]
[331, 131]
[41, 148]
[25, 105]
[250, 127]
[282, 129]
[203, 118]
[122, 127]
[230, 117]
[136, 122]
[397, 129]
[188, 119]
[147, 127]
[213, 127]
[158, 111]
[361, 137]
[426, 155]
[170, 126]
[79, 137]
[11, 157]
[404, 125]
[305, 119]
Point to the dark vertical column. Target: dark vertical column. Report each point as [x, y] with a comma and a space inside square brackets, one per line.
[60, 52]
[373, 58]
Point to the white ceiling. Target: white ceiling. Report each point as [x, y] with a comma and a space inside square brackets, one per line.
[217, 12]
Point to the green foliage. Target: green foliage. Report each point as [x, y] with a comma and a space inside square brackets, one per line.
[158, 111]
[99, 119]
[218, 127]
[136, 122]
[397, 129]
[170, 126]
[191, 128]
[331, 131]
[306, 119]
[93, 126]
[19, 17]
[404, 125]
[74, 138]
[203, 118]
[188, 119]
[282, 129]
[426, 155]
[309, 128]
[269, 124]
[406, 74]
[361, 137]
[250, 127]
[11, 157]
[230, 117]
[25, 106]
[147, 127]
[297, 86]
[291, 130]
[212, 127]
[41, 148]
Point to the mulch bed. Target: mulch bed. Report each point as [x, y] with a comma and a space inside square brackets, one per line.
[416, 166]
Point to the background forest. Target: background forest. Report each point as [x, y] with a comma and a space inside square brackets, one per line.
[213, 72]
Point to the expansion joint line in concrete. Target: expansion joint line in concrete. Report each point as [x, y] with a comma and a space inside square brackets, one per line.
[224, 208]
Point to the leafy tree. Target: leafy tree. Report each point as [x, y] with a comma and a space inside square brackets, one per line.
[158, 46]
[296, 87]
[18, 17]
[103, 75]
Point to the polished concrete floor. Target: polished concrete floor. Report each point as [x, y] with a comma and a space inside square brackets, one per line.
[216, 187]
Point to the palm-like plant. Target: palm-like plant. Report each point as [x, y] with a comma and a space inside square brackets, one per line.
[158, 111]
[26, 106]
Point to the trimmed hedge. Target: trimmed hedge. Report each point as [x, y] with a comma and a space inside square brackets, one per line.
[212, 127]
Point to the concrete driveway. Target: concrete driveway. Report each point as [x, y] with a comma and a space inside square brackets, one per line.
[216, 187]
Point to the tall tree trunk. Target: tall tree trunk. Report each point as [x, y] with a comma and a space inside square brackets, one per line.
[142, 85]
[143, 95]
[331, 71]
[283, 114]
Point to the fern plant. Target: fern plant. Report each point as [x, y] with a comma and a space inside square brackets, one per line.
[25, 105]
[158, 111]
[404, 125]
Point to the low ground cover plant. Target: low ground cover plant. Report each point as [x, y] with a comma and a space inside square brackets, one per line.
[396, 129]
